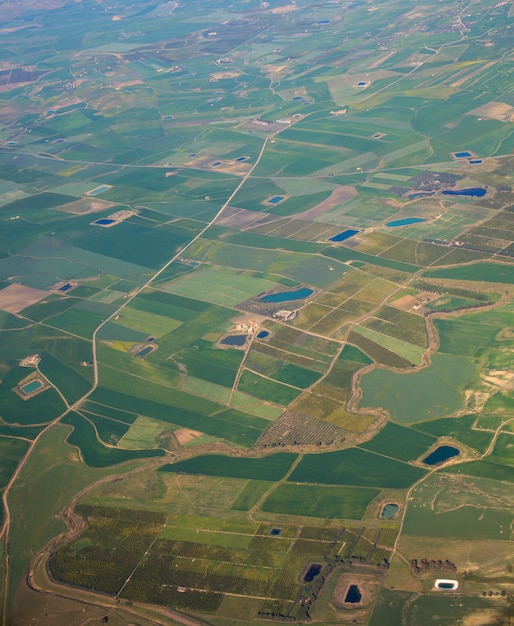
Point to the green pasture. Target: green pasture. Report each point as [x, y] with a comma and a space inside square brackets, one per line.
[218, 366]
[254, 406]
[398, 442]
[466, 522]
[213, 319]
[484, 469]
[319, 501]
[438, 389]
[250, 494]
[67, 380]
[477, 272]
[404, 349]
[205, 389]
[11, 452]
[269, 468]
[402, 325]
[389, 607]
[460, 428]
[426, 609]
[469, 335]
[93, 452]
[143, 433]
[148, 323]
[117, 366]
[185, 410]
[220, 286]
[376, 352]
[355, 467]
[109, 431]
[39, 409]
[266, 389]
[49, 479]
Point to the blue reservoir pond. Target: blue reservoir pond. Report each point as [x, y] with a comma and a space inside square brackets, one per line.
[346, 234]
[32, 386]
[389, 511]
[145, 351]
[462, 155]
[104, 221]
[312, 572]
[275, 199]
[474, 192]
[262, 334]
[287, 296]
[97, 190]
[234, 340]
[353, 595]
[407, 221]
[440, 455]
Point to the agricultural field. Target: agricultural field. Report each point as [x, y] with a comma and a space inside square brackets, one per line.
[256, 312]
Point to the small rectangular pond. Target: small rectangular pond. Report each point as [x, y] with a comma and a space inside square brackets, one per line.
[474, 192]
[104, 221]
[32, 386]
[275, 199]
[407, 221]
[97, 190]
[346, 234]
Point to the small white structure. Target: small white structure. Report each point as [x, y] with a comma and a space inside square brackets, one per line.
[446, 585]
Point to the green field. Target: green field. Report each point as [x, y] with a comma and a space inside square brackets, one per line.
[162, 168]
[324, 502]
[434, 389]
[273, 467]
[357, 468]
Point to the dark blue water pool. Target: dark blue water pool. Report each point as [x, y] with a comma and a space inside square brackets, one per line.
[287, 296]
[346, 234]
[441, 454]
[462, 155]
[353, 595]
[103, 221]
[263, 334]
[144, 351]
[475, 192]
[275, 199]
[475, 161]
[405, 222]
[312, 572]
[234, 340]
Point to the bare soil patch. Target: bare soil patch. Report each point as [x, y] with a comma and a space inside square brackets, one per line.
[285, 9]
[185, 435]
[495, 111]
[15, 298]
[338, 196]
[85, 205]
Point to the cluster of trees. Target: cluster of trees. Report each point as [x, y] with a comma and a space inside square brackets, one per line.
[424, 565]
